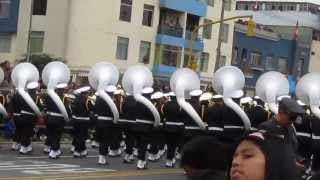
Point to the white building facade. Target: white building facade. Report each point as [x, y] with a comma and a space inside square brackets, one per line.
[124, 32]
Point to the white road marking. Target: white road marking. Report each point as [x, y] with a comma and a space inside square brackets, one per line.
[46, 157]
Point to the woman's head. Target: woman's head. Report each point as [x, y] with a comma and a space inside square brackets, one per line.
[262, 157]
[248, 161]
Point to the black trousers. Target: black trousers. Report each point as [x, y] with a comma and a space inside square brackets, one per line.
[27, 134]
[106, 138]
[130, 140]
[143, 139]
[54, 133]
[157, 141]
[26, 123]
[173, 140]
[80, 134]
[116, 137]
[18, 132]
[316, 162]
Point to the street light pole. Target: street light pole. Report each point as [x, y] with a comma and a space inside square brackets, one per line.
[218, 53]
[29, 32]
[195, 31]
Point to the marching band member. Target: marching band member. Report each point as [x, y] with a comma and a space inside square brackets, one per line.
[55, 123]
[81, 121]
[214, 117]
[173, 128]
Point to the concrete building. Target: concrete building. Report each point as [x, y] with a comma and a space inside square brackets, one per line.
[267, 51]
[124, 32]
[275, 41]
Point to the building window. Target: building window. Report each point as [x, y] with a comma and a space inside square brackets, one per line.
[204, 62]
[195, 57]
[207, 30]
[5, 43]
[171, 55]
[256, 59]
[227, 5]
[125, 10]
[283, 65]
[147, 15]
[4, 8]
[36, 41]
[210, 3]
[224, 33]
[221, 63]
[122, 48]
[144, 56]
[269, 62]
[234, 55]
[39, 7]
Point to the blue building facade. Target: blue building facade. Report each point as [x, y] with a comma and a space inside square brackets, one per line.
[267, 51]
[177, 20]
[9, 23]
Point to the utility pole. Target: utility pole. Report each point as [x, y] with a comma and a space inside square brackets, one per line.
[29, 32]
[218, 53]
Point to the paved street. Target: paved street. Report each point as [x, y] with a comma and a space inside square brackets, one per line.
[38, 166]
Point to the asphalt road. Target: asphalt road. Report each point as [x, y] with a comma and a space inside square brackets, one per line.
[38, 166]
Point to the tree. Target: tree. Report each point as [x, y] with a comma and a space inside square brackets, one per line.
[41, 60]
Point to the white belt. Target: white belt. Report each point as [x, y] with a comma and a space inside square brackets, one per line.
[253, 129]
[126, 120]
[315, 137]
[192, 127]
[26, 112]
[215, 129]
[16, 114]
[54, 114]
[144, 121]
[80, 118]
[233, 127]
[174, 123]
[105, 118]
[304, 134]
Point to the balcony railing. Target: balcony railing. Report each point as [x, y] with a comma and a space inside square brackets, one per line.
[188, 36]
[171, 31]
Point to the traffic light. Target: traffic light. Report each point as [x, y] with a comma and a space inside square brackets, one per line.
[251, 28]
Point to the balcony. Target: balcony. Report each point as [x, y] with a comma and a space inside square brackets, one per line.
[160, 70]
[190, 6]
[171, 31]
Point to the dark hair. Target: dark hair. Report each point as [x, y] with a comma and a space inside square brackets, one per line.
[280, 157]
[205, 152]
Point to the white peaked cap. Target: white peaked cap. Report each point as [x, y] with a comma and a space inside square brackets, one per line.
[147, 90]
[32, 85]
[171, 93]
[83, 89]
[61, 85]
[300, 103]
[256, 97]
[205, 96]
[281, 97]
[237, 94]
[217, 96]
[245, 100]
[111, 88]
[157, 95]
[197, 92]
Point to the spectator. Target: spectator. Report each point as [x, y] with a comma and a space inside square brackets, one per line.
[258, 157]
[205, 158]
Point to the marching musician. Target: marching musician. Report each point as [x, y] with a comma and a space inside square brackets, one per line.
[81, 121]
[55, 123]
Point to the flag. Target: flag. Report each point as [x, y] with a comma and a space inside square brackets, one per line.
[296, 32]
